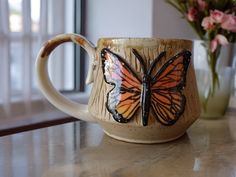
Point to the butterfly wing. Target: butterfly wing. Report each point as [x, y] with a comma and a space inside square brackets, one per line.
[168, 101]
[123, 100]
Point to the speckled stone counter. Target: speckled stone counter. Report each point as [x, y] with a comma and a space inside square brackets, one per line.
[82, 149]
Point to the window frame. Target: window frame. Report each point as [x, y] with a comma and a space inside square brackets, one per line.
[79, 67]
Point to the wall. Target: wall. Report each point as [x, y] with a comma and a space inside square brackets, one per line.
[132, 18]
[168, 22]
[118, 18]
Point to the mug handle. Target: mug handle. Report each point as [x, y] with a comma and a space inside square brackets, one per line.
[57, 99]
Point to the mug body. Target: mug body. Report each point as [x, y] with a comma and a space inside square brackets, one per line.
[144, 89]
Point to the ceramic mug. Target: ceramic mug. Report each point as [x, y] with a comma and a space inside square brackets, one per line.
[144, 89]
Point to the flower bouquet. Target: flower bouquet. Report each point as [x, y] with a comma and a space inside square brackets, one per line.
[214, 21]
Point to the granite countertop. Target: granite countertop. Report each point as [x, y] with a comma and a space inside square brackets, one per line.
[82, 149]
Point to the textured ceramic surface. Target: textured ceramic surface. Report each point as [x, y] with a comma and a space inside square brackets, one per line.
[144, 89]
[133, 130]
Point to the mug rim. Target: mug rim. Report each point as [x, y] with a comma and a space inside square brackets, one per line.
[139, 41]
[144, 38]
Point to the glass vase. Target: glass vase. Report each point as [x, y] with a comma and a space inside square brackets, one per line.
[214, 104]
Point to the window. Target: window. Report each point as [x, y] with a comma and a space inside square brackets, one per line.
[24, 26]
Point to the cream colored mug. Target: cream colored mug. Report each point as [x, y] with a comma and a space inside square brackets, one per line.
[144, 89]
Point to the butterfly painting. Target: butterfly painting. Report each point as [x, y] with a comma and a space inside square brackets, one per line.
[158, 90]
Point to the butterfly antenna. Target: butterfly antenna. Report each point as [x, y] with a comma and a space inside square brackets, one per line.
[155, 61]
[140, 59]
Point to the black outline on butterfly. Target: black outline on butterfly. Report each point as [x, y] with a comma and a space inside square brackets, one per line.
[148, 96]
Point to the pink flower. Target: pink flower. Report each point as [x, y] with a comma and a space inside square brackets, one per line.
[202, 4]
[217, 16]
[208, 23]
[229, 23]
[192, 14]
[219, 39]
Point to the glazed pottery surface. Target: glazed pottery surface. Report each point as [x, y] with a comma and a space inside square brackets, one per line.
[144, 89]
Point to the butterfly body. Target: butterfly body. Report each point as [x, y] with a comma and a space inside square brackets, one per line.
[146, 98]
[161, 92]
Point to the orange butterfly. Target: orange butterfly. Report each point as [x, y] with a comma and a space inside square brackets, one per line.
[162, 91]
